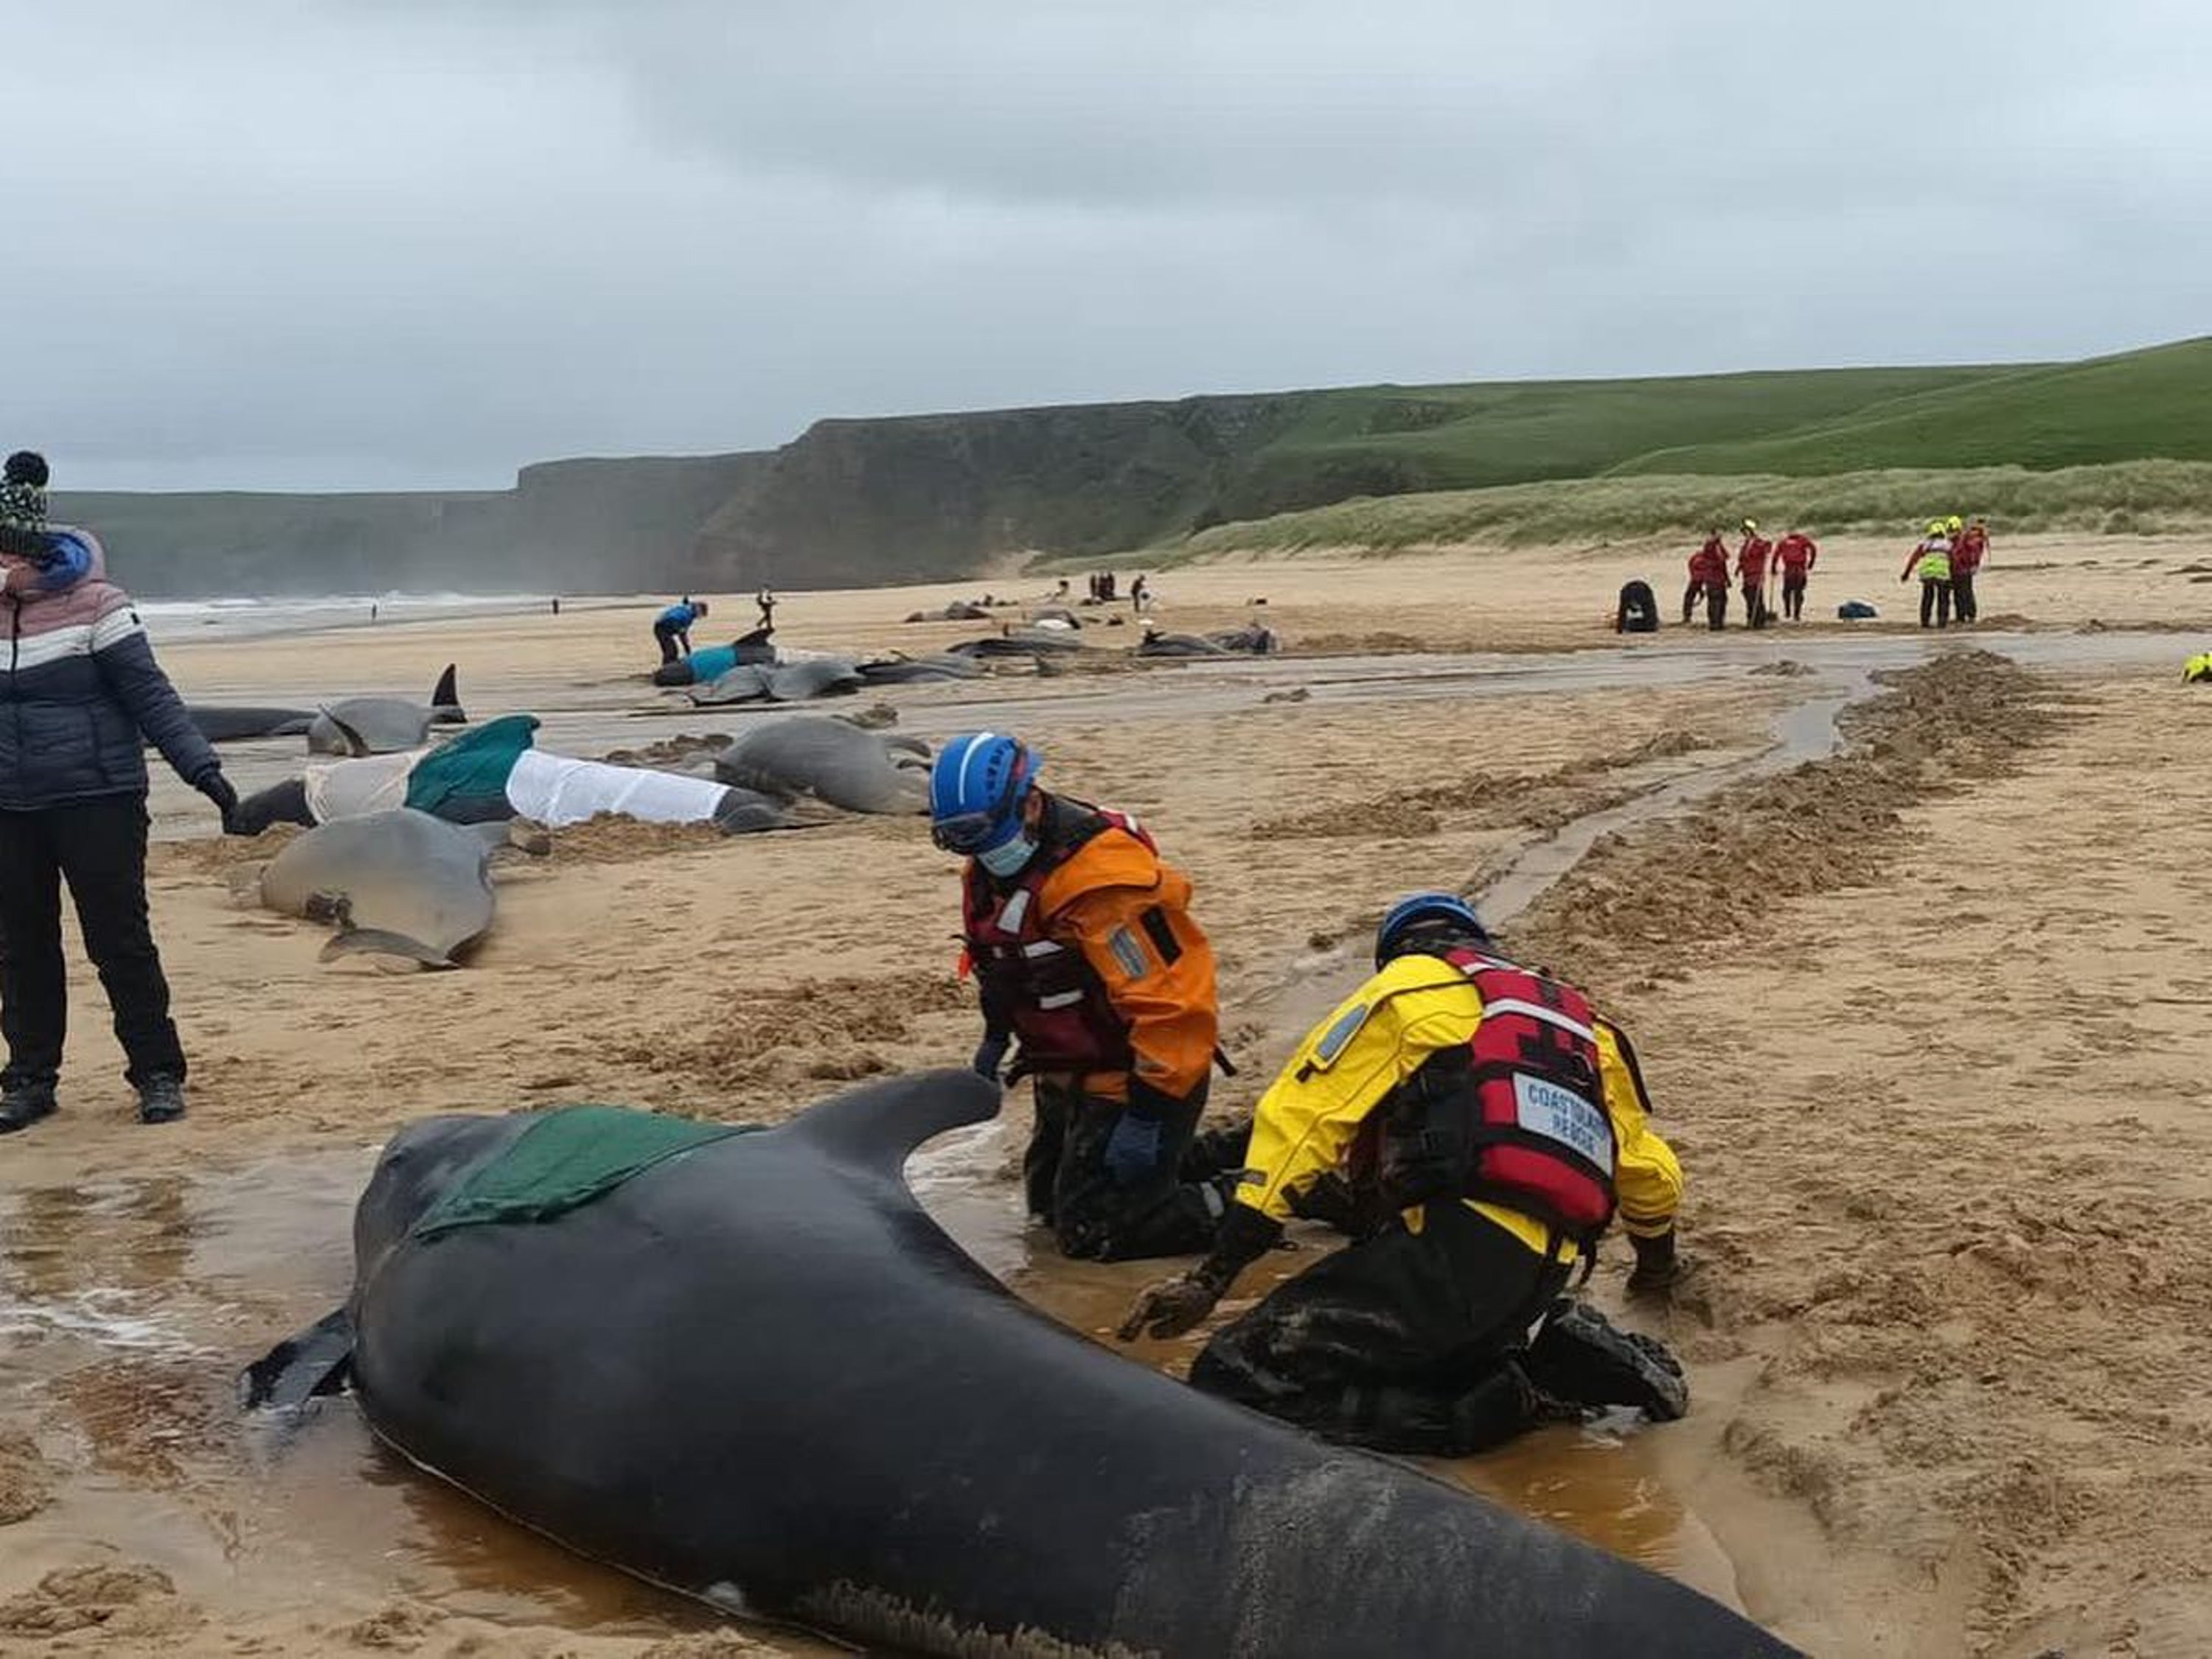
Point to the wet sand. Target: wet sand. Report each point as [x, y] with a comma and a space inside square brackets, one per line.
[1936, 1099]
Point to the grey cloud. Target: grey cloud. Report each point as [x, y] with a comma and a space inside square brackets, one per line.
[410, 242]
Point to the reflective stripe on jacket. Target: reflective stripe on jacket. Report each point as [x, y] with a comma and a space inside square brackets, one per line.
[1376, 1039]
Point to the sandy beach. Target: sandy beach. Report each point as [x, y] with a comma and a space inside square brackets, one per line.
[1922, 1002]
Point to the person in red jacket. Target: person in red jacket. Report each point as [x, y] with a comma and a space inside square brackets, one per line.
[1751, 565]
[1968, 549]
[1709, 580]
[1796, 554]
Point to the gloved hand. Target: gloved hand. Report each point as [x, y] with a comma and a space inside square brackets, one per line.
[1133, 1150]
[1172, 1307]
[991, 1054]
[217, 787]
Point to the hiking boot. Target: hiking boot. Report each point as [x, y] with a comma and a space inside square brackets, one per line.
[22, 1104]
[160, 1100]
[1658, 1266]
[1582, 1356]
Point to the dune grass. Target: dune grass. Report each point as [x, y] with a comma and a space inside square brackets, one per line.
[2128, 498]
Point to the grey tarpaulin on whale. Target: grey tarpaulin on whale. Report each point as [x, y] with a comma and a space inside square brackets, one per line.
[870, 1436]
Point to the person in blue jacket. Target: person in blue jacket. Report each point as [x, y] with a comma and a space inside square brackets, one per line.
[672, 628]
[80, 697]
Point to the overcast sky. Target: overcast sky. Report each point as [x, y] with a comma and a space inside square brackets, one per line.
[416, 243]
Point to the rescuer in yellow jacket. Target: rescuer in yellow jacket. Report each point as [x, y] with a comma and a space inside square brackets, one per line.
[1497, 1127]
[1087, 956]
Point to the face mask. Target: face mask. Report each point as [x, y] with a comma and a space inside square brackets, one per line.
[1007, 858]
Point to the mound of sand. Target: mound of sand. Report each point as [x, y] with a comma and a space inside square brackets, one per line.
[26, 1482]
[774, 1047]
[1538, 800]
[1829, 824]
[115, 1600]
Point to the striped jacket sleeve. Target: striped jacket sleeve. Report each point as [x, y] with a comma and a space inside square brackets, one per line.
[124, 658]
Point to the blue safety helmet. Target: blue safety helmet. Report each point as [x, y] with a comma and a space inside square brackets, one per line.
[1420, 910]
[976, 790]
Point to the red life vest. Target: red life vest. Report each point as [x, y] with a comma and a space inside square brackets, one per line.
[1541, 1140]
[1045, 989]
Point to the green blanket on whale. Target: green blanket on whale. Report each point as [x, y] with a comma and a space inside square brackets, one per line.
[570, 1156]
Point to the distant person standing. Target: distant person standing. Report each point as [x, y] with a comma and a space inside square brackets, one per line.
[81, 701]
[1140, 596]
[1970, 548]
[1796, 553]
[1708, 581]
[1751, 567]
[1931, 562]
[672, 628]
[765, 601]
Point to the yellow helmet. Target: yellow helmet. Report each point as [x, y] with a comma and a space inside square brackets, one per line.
[1955, 522]
[1751, 524]
[1934, 526]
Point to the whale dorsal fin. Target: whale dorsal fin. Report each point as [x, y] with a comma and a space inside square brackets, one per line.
[445, 693]
[879, 1126]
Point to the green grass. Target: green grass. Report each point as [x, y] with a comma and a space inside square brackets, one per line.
[2140, 405]
[2131, 497]
[1378, 440]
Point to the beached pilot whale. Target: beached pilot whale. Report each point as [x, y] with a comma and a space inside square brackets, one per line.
[384, 725]
[400, 883]
[234, 722]
[758, 1373]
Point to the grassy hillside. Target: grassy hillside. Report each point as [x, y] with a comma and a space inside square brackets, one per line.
[2143, 405]
[1467, 436]
[852, 502]
[2128, 497]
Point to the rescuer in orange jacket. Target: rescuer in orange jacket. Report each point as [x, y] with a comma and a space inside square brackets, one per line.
[1086, 957]
[1490, 1127]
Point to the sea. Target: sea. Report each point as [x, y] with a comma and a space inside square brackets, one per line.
[176, 621]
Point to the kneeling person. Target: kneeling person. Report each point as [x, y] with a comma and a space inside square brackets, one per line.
[1498, 1124]
[1083, 949]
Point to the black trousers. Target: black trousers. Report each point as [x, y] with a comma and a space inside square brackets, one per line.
[1756, 615]
[1093, 1217]
[667, 637]
[1793, 597]
[99, 846]
[1716, 598]
[1962, 595]
[1404, 1342]
[1935, 599]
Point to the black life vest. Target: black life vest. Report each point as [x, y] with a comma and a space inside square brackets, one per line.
[1045, 989]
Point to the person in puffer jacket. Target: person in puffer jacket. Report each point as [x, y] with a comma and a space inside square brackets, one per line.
[80, 696]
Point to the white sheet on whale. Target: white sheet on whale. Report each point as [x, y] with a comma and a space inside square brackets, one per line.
[554, 790]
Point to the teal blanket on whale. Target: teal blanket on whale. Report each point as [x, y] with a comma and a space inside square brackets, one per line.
[569, 1156]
